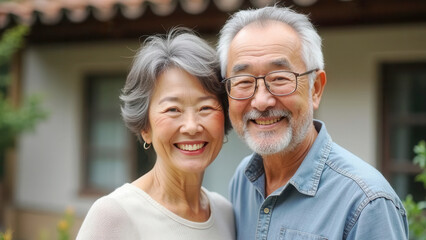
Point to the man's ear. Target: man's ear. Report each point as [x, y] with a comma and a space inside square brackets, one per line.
[318, 88]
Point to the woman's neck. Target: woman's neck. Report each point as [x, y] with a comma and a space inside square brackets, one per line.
[179, 193]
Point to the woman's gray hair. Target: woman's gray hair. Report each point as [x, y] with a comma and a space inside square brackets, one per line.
[311, 41]
[179, 48]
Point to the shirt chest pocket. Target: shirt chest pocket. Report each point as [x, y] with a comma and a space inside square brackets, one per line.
[290, 234]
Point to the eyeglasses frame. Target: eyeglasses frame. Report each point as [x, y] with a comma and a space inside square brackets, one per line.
[297, 75]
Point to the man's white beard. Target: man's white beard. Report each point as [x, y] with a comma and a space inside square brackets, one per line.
[265, 143]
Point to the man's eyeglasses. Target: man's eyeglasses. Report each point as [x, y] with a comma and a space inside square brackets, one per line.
[278, 83]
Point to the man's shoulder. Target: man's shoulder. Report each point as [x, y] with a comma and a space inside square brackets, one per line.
[355, 182]
[349, 167]
[239, 178]
[243, 164]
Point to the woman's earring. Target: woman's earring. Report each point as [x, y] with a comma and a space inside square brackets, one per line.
[225, 140]
[146, 146]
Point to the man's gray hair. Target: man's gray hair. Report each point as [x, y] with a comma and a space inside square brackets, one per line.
[179, 48]
[311, 41]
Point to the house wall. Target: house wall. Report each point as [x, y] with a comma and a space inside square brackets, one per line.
[49, 169]
[351, 102]
[49, 166]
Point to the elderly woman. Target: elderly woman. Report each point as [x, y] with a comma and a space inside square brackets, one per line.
[173, 100]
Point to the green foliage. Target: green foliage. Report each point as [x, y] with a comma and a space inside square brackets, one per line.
[65, 225]
[13, 120]
[416, 212]
[11, 41]
[420, 160]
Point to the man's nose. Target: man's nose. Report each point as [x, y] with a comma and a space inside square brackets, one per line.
[262, 99]
[191, 124]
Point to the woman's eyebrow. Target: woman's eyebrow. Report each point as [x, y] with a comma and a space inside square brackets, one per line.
[204, 98]
[169, 99]
[176, 99]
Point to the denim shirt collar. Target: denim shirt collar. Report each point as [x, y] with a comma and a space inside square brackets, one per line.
[307, 177]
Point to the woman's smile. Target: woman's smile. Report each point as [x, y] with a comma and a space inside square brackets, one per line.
[191, 147]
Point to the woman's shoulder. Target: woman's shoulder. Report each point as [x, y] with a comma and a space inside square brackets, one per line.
[106, 207]
[217, 199]
[106, 219]
[108, 202]
[222, 212]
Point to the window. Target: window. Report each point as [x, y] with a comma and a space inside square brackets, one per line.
[404, 118]
[112, 155]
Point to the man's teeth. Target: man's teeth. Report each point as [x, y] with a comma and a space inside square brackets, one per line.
[190, 147]
[267, 122]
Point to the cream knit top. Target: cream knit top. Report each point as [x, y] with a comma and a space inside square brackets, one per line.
[130, 213]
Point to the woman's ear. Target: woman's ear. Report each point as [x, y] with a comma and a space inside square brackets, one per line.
[146, 136]
[318, 88]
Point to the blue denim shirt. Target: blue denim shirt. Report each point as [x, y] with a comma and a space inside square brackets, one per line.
[333, 195]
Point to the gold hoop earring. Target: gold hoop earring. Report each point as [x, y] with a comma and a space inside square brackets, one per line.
[146, 146]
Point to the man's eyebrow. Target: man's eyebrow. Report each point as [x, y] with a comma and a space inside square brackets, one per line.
[280, 62]
[239, 67]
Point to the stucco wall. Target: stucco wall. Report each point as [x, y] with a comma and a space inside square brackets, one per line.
[49, 167]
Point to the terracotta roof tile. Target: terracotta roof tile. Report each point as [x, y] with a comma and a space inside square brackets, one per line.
[52, 11]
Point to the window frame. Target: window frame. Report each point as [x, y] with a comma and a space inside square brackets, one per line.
[389, 165]
[89, 80]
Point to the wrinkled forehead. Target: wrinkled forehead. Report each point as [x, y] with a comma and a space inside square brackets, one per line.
[275, 44]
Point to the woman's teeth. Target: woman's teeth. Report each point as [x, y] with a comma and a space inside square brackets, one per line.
[190, 147]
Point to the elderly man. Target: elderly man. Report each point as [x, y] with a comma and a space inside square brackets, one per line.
[298, 184]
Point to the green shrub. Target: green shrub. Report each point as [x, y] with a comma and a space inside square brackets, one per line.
[416, 212]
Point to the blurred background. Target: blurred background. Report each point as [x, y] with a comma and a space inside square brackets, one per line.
[66, 78]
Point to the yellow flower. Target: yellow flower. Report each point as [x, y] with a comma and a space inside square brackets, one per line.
[63, 225]
[8, 235]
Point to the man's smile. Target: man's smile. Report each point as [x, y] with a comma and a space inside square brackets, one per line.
[267, 121]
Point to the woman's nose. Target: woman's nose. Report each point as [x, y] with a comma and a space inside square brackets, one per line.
[191, 124]
[262, 99]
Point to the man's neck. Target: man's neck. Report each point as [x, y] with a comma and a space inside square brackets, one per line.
[280, 167]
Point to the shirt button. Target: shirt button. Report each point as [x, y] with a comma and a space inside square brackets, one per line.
[266, 210]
